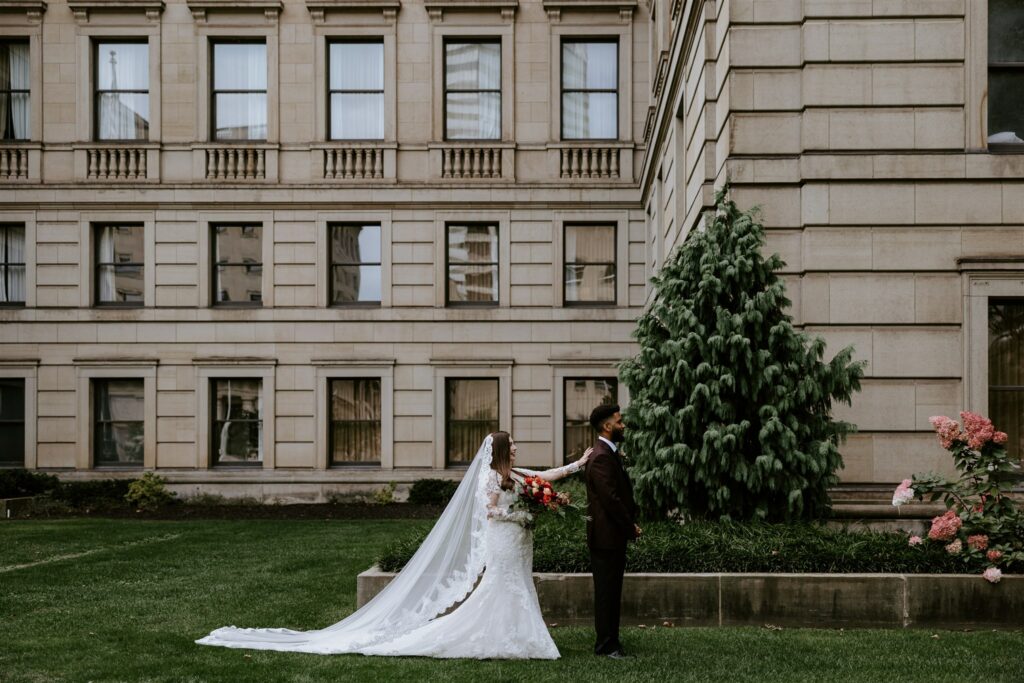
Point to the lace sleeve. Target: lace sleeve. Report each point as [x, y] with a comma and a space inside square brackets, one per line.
[495, 510]
[553, 474]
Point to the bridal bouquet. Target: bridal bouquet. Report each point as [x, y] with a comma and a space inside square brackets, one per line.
[536, 495]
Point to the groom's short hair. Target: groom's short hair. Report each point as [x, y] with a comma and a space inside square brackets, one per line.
[601, 413]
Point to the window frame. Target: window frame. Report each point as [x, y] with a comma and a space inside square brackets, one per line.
[1014, 388]
[214, 41]
[214, 292]
[4, 235]
[342, 40]
[570, 38]
[990, 66]
[17, 463]
[27, 41]
[495, 264]
[98, 40]
[446, 40]
[96, 422]
[331, 227]
[351, 464]
[614, 263]
[448, 464]
[565, 379]
[96, 227]
[213, 422]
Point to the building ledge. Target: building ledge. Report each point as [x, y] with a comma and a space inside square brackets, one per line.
[83, 8]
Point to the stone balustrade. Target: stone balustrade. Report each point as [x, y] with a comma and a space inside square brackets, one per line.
[471, 162]
[13, 163]
[589, 162]
[236, 163]
[359, 163]
[116, 163]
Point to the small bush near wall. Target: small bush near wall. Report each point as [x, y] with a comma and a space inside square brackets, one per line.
[432, 491]
[560, 546]
[20, 483]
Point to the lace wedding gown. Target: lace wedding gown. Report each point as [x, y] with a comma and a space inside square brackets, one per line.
[477, 534]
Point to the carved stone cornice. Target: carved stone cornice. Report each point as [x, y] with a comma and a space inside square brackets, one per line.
[83, 8]
[200, 9]
[625, 8]
[437, 8]
[318, 9]
[32, 9]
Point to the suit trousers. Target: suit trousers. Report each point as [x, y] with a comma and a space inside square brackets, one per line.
[608, 567]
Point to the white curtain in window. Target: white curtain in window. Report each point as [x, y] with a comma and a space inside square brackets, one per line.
[123, 67]
[473, 115]
[14, 75]
[240, 67]
[12, 287]
[105, 254]
[590, 67]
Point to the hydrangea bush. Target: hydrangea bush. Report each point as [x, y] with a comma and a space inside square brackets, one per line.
[982, 525]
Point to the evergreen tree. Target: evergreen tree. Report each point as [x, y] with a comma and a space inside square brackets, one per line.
[729, 414]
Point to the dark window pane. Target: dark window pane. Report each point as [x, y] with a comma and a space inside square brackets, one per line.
[1006, 106]
[356, 443]
[357, 66]
[237, 425]
[120, 284]
[12, 436]
[472, 284]
[1006, 371]
[239, 283]
[12, 399]
[471, 407]
[1005, 31]
[123, 116]
[355, 420]
[590, 243]
[12, 259]
[355, 284]
[120, 244]
[355, 399]
[472, 243]
[238, 244]
[355, 244]
[241, 116]
[15, 72]
[118, 429]
[589, 283]
[18, 116]
[580, 397]
[240, 66]
[238, 267]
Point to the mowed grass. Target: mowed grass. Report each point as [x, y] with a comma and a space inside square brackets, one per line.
[107, 600]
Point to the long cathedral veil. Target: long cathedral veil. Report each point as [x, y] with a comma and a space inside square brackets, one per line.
[441, 573]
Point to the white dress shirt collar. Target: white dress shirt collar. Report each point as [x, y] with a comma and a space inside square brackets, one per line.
[615, 449]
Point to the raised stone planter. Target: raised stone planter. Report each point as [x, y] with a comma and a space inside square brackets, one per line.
[945, 601]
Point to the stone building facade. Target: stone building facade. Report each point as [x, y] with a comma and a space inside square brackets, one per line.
[882, 140]
[284, 248]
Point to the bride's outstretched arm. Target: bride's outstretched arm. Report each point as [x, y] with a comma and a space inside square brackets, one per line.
[559, 472]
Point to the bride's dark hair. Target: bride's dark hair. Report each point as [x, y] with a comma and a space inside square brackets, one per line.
[501, 458]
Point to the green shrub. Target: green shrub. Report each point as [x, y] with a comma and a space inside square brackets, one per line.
[101, 493]
[20, 483]
[560, 546]
[148, 493]
[432, 491]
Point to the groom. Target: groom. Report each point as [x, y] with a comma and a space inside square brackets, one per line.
[611, 525]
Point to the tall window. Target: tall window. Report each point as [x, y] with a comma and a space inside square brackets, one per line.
[15, 111]
[355, 72]
[471, 413]
[472, 90]
[1006, 371]
[355, 264]
[12, 422]
[1005, 72]
[472, 264]
[12, 264]
[590, 90]
[239, 91]
[355, 434]
[238, 265]
[118, 419]
[237, 433]
[120, 265]
[589, 264]
[580, 396]
[122, 90]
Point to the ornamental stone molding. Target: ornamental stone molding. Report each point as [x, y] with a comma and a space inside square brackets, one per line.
[436, 9]
[32, 9]
[318, 9]
[201, 9]
[83, 8]
[625, 8]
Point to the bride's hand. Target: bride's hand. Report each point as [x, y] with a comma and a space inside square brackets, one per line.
[585, 457]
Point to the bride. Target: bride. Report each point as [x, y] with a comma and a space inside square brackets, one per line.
[478, 533]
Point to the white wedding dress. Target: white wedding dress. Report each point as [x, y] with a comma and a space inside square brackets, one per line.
[476, 534]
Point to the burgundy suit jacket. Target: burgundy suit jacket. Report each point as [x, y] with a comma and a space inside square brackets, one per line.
[610, 507]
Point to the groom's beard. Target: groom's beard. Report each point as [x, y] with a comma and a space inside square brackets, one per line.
[618, 436]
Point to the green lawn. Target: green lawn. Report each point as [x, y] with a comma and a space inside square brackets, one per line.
[105, 600]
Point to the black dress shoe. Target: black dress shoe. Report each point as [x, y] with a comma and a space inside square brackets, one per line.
[618, 654]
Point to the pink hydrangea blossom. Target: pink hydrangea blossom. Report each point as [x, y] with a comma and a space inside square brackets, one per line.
[903, 494]
[915, 540]
[999, 438]
[992, 574]
[944, 528]
[978, 541]
[994, 555]
[947, 429]
[978, 428]
[955, 547]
